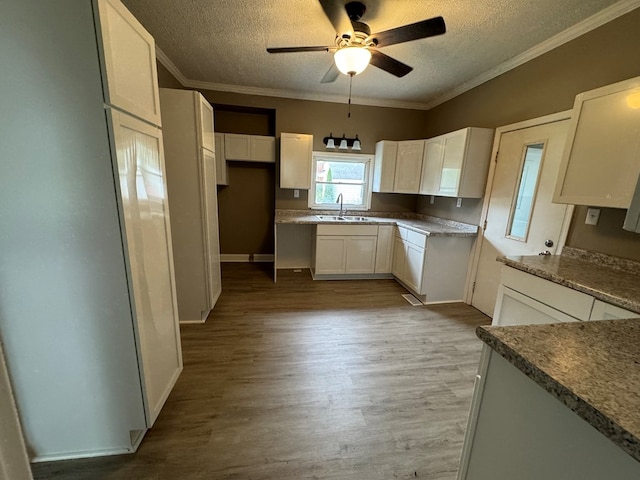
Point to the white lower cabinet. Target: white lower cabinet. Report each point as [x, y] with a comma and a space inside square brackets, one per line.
[433, 268]
[384, 249]
[524, 299]
[606, 311]
[346, 250]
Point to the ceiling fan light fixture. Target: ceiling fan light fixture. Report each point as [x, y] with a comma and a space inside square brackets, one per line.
[352, 60]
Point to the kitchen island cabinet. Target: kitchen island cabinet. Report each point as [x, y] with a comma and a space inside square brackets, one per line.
[555, 401]
[575, 286]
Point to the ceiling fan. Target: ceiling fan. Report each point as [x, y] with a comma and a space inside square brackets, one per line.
[355, 46]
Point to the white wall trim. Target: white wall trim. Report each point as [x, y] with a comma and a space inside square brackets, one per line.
[245, 257]
[608, 14]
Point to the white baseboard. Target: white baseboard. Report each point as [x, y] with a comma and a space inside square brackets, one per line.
[246, 257]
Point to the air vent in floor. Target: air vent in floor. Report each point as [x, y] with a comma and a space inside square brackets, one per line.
[412, 300]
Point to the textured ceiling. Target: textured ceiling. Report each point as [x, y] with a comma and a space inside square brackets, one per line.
[223, 42]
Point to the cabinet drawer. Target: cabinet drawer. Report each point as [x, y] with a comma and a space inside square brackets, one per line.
[571, 302]
[347, 230]
[416, 238]
[513, 308]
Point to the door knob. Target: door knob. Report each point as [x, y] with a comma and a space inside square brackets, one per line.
[548, 243]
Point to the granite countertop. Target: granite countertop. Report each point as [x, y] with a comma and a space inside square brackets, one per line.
[591, 367]
[610, 279]
[432, 226]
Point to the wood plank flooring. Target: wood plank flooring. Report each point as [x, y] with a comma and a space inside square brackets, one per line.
[309, 380]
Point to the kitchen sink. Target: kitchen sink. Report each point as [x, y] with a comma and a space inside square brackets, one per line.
[336, 218]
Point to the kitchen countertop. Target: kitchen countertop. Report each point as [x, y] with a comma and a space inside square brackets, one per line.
[591, 367]
[610, 279]
[428, 225]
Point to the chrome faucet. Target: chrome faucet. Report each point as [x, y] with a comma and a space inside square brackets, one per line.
[339, 200]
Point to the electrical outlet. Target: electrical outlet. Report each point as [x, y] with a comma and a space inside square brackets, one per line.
[593, 215]
[459, 203]
[296, 193]
[431, 200]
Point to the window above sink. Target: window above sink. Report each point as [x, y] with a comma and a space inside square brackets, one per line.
[341, 173]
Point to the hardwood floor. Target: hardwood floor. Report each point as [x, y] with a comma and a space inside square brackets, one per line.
[309, 380]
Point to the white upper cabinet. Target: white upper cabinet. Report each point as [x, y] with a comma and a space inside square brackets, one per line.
[432, 166]
[204, 114]
[408, 166]
[250, 148]
[262, 149]
[601, 161]
[222, 167]
[384, 170]
[397, 166]
[129, 56]
[295, 160]
[237, 147]
[456, 164]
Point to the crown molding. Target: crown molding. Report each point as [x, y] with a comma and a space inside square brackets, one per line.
[605, 16]
[608, 14]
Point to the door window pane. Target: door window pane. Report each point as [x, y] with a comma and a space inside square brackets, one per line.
[522, 206]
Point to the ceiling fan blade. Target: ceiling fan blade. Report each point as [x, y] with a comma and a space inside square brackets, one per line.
[331, 74]
[388, 64]
[414, 31]
[298, 49]
[337, 15]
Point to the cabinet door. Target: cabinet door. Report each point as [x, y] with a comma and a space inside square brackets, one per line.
[237, 147]
[454, 152]
[129, 56]
[210, 226]
[222, 167]
[262, 149]
[606, 311]
[295, 160]
[432, 166]
[600, 164]
[205, 123]
[414, 267]
[384, 169]
[143, 198]
[399, 258]
[408, 166]
[331, 254]
[384, 249]
[361, 254]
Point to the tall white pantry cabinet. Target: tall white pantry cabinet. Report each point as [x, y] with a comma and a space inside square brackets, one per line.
[187, 124]
[88, 312]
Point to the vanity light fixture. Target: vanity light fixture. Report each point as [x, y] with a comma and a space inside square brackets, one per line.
[345, 143]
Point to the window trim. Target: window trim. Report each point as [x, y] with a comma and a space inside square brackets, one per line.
[367, 160]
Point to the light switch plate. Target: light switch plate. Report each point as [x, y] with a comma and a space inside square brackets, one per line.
[296, 193]
[593, 215]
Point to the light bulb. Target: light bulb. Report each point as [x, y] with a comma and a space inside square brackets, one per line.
[352, 60]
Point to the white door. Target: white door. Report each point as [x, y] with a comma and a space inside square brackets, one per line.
[331, 252]
[148, 238]
[519, 218]
[408, 166]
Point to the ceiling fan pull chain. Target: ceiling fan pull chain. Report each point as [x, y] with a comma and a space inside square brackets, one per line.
[350, 81]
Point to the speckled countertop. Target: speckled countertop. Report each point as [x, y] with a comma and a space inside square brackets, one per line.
[420, 223]
[610, 279]
[591, 367]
